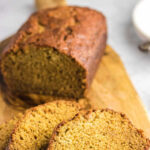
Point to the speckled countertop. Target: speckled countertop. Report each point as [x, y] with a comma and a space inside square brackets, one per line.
[121, 34]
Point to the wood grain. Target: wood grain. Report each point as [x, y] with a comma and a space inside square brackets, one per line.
[113, 89]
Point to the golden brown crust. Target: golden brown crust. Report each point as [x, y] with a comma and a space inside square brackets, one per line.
[78, 32]
[42, 4]
[4, 43]
[29, 111]
[86, 115]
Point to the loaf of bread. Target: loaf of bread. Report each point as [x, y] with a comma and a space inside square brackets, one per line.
[34, 129]
[55, 53]
[98, 130]
[6, 130]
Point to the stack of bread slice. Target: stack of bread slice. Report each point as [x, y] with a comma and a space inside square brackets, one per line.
[67, 125]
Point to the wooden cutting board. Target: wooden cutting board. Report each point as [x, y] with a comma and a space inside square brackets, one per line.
[111, 88]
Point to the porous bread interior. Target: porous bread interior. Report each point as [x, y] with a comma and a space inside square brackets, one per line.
[98, 131]
[45, 71]
[6, 130]
[35, 128]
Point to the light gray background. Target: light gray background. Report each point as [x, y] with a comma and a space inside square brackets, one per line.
[121, 34]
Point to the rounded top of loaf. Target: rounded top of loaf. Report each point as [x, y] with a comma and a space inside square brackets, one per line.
[68, 28]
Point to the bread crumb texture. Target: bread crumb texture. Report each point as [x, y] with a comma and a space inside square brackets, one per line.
[6, 130]
[98, 130]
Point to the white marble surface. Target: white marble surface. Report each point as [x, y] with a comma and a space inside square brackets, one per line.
[121, 34]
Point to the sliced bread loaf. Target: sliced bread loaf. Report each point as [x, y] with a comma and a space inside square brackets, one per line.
[98, 130]
[6, 130]
[34, 130]
[55, 53]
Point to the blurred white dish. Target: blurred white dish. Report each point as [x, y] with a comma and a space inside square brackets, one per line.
[141, 19]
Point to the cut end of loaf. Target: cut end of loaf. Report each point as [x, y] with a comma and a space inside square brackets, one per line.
[43, 71]
[102, 129]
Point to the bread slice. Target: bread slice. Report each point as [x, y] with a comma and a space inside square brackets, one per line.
[98, 130]
[55, 53]
[34, 130]
[6, 130]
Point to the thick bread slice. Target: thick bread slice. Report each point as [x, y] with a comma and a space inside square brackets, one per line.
[34, 130]
[98, 130]
[6, 130]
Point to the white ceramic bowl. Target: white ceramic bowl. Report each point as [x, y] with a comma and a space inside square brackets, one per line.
[141, 19]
